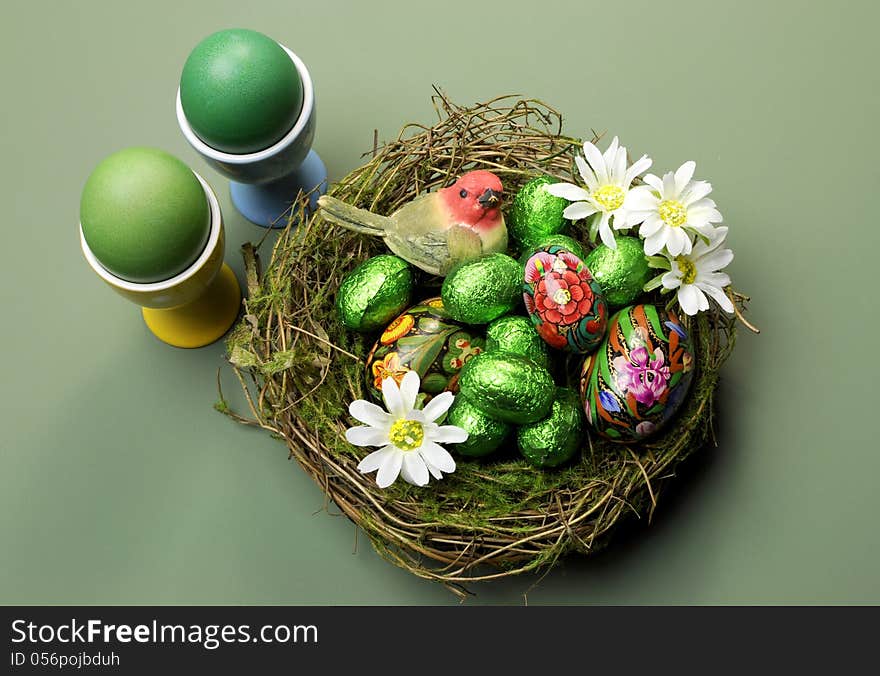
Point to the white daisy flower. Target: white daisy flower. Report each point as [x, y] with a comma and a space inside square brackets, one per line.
[670, 208]
[608, 182]
[408, 437]
[696, 275]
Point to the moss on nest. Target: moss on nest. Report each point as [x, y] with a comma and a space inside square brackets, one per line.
[300, 368]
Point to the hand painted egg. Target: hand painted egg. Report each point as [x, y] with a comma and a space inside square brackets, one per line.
[565, 303]
[427, 340]
[640, 375]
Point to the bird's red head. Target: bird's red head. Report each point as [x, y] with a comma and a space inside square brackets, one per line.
[475, 199]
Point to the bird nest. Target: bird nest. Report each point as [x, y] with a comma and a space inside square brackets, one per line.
[300, 368]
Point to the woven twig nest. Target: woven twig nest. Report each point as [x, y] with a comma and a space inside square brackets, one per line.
[493, 517]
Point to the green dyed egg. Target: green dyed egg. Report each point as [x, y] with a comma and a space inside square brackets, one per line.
[424, 339]
[535, 213]
[144, 215]
[507, 387]
[621, 272]
[566, 242]
[555, 439]
[517, 335]
[374, 293]
[485, 434]
[482, 289]
[240, 91]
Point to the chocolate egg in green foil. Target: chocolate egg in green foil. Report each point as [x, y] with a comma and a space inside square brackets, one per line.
[517, 335]
[482, 289]
[507, 387]
[535, 213]
[566, 242]
[374, 293]
[556, 438]
[640, 375]
[427, 340]
[621, 272]
[485, 434]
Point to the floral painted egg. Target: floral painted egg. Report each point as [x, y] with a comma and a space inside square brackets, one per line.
[638, 378]
[566, 304]
[427, 340]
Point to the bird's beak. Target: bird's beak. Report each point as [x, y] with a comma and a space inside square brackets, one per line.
[489, 199]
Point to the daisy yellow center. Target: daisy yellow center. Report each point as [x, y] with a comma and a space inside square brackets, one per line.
[609, 197]
[407, 435]
[562, 296]
[673, 213]
[688, 270]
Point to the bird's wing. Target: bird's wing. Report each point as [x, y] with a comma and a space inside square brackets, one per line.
[426, 250]
[464, 244]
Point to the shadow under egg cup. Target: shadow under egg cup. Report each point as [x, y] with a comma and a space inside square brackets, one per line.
[195, 307]
[263, 184]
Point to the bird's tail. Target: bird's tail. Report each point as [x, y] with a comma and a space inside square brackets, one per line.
[353, 218]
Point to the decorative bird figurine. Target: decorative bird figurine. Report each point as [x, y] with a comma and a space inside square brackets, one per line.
[438, 229]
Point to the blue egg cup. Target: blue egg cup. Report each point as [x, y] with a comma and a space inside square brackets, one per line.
[265, 183]
[266, 204]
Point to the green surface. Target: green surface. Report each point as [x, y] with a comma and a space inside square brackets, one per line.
[240, 91]
[144, 214]
[118, 482]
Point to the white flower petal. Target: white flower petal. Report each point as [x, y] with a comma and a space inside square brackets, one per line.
[654, 181]
[717, 279]
[586, 173]
[683, 175]
[638, 167]
[409, 389]
[389, 470]
[678, 242]
[655, 242]
[414, 470]
[620, 219]
[579, 210]
[449, 434]
[370, 414]
[641, 199]
[596, 161]
[618, 171]
[366, 436]
[610, 155]
[672, 279]
[653, 223]
[605, 233]
[438, 456]
[375, 459]
[719, 296]
[669, 192]
[696, 191]
[393, 400]
[688, 299]
[436, 473]
[569, 191]
[716, 260]
[438, 406]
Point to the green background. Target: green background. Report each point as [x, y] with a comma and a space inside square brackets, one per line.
[120, 484]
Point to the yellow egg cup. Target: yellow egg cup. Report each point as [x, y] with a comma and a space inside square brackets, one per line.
[195, 307]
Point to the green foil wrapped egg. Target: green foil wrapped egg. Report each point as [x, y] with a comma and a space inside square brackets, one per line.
[374, 293]
[517, 335]
[621, 272]
[508, 387]
[424, 339]
[535, 213]
[555, 439]
[566, 242]
[485, 434]
[480, 290]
